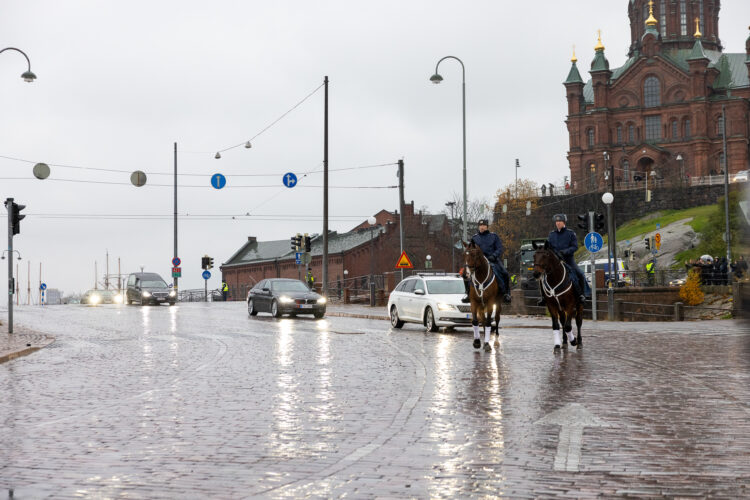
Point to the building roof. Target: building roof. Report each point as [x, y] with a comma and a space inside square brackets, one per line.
[574, 76]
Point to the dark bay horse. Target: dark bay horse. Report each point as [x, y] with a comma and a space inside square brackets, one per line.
[484, 295]
[559, 295]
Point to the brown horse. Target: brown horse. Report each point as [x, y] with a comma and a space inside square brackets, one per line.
[559, 295]
[484, 295]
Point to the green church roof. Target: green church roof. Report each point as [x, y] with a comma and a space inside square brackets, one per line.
[574, 76]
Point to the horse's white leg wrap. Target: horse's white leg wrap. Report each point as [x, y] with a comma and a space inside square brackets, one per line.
[476, 331]
[571, 336]
[487, 335]
[558, 337]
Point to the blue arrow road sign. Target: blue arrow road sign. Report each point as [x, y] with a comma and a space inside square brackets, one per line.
[43, 286]
[218, 181]
[289, 180]
[206, 275]
[594, 242]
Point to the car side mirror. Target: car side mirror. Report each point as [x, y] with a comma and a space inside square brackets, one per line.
[266, 290]
[419, 292]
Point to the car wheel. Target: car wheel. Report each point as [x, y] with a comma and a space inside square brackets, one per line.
[319, 315]
[395, 322]
[429, 320]
[251, 308]
[275, 309]
[171, 303]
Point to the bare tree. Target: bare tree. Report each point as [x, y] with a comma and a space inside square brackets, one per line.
[477, 208]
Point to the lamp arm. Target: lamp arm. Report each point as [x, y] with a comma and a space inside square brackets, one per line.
[22, 53]
[463, 68]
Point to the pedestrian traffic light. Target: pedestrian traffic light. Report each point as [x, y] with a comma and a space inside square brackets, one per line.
[598, 222]
[648, 243]
[204, 262]
[15, 215]
[307, 243]
[210, 262]
[584, 222]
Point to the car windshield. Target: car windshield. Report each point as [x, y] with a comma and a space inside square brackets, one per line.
[438, 287]
[289, 286]
[153, 284]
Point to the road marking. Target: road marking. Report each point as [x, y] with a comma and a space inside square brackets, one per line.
[571, 418]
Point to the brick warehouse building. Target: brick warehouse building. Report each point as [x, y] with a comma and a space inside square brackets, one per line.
[660, 112]
[424, 234]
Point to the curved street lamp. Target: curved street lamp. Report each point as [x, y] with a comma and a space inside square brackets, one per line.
[27, 75]
[436, 79]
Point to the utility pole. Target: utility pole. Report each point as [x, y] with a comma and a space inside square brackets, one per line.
[325, 191]
[9, 206]
[175, 279]
[96, 277]
[18, 286]
[28, 284]
[401, 207]
[728, 236]
[119, 277]
[592, 228]
[106, 276]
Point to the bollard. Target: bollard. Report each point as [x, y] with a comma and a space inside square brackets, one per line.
[610, 303]
[619, 310]
[679, 311]
[346, 296]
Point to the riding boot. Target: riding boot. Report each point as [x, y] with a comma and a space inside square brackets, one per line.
[541, 302]
[465, 298]
[507, 297]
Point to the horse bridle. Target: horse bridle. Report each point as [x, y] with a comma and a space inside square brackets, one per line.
[550, 291]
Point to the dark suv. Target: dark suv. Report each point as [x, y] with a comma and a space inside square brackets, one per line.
[148, 288]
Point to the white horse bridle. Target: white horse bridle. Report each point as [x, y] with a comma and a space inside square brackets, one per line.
[550, 291]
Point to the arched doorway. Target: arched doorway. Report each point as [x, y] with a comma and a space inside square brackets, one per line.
[645, 167]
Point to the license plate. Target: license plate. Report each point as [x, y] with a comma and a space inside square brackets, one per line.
[305, 306]
[468, 316]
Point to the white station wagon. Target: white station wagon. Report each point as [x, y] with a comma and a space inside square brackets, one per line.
[433, 300]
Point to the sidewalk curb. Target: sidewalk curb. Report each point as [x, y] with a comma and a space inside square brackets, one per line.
[26, 351]
[360, 316]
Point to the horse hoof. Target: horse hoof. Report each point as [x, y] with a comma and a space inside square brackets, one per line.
[497, 343]
[573, 342]
[565, 345]
[557, 348]
[477, 344]
[487, 347]
[579, 347]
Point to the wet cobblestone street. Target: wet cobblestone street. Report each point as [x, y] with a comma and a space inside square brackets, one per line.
[201, 401]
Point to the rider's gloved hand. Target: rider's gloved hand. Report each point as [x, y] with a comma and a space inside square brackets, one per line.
[492, 258]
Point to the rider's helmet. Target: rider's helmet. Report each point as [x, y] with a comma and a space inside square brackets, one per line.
[483, 222]
[560, 217]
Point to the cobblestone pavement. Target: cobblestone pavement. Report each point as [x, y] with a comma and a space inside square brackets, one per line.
[200, 401]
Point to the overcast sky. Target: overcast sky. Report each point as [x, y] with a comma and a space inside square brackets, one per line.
[120, 82]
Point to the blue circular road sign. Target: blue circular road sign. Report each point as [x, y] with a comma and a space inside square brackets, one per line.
[218, 181]
[176, 262]
[206, 275]
[594, 242]
[43, 286]
[289, 180]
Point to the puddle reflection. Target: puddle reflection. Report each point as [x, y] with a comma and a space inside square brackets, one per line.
[286, 423]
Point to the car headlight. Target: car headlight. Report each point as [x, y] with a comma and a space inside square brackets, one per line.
[146, 294]
[445, 307]
[172, 293]
[118, 299]
[94, 299]
[285, 300]
[322, 300]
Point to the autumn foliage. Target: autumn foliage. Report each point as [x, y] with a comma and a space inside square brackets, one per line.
[691, 293]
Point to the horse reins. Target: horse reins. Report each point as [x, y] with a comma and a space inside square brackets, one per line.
[549, 291]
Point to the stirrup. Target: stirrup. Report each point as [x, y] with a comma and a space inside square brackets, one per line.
[582, 298]
[540, 302]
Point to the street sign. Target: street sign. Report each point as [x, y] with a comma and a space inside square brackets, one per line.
[43, 286]
[138, 178]
[176, 272]
[404, 262]
[298, 257]
[594, 242]
[289, 180]
[218, 181]
[658, 225]
[657, 238]
[176, 262]
[206, 275]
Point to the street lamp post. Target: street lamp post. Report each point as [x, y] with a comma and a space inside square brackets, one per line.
[436, 79]
[27, 76]
[371, 220]
[452, 204]
[682, 169]
[728, 236]
[608, 198]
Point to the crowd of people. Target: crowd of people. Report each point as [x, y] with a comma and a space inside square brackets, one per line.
[717, 270]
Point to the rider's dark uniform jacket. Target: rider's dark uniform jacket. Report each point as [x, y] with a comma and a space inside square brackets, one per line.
[565, 243]
[490, 244]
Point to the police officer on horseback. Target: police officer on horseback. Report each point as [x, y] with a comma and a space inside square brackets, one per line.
[565, 243]
[492, 247]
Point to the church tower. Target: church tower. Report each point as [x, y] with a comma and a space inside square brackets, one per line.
[675, 23]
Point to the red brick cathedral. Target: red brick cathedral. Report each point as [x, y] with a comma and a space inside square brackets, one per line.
[660, 113]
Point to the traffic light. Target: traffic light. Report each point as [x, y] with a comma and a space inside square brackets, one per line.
[204, 262]
[15, 215]
[648, 243]
[584, 222]
[598, 222]
[307, 243]
[210, 263]
[296, 242]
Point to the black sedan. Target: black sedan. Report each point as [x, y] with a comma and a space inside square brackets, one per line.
[284, 296]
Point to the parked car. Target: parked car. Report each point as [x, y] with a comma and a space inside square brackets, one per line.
[94, 297]
[623, 276]
[432, 300]
[280, 296]
[148, 288]
[741, 176]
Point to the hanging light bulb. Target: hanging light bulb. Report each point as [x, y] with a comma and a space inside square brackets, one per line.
[248, 145]
[218, 155]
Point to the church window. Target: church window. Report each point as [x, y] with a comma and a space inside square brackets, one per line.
[653, 128]
[626, 171]
[720, 126]
[631, 134]
[675, 130]
[590, 133]
[651, 92]
[683, 18]
[619, 134]
[700, 6]
[688, 133]
[663, 18]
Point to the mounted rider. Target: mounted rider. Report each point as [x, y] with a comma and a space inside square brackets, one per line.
[565, 243]
[492, 247]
